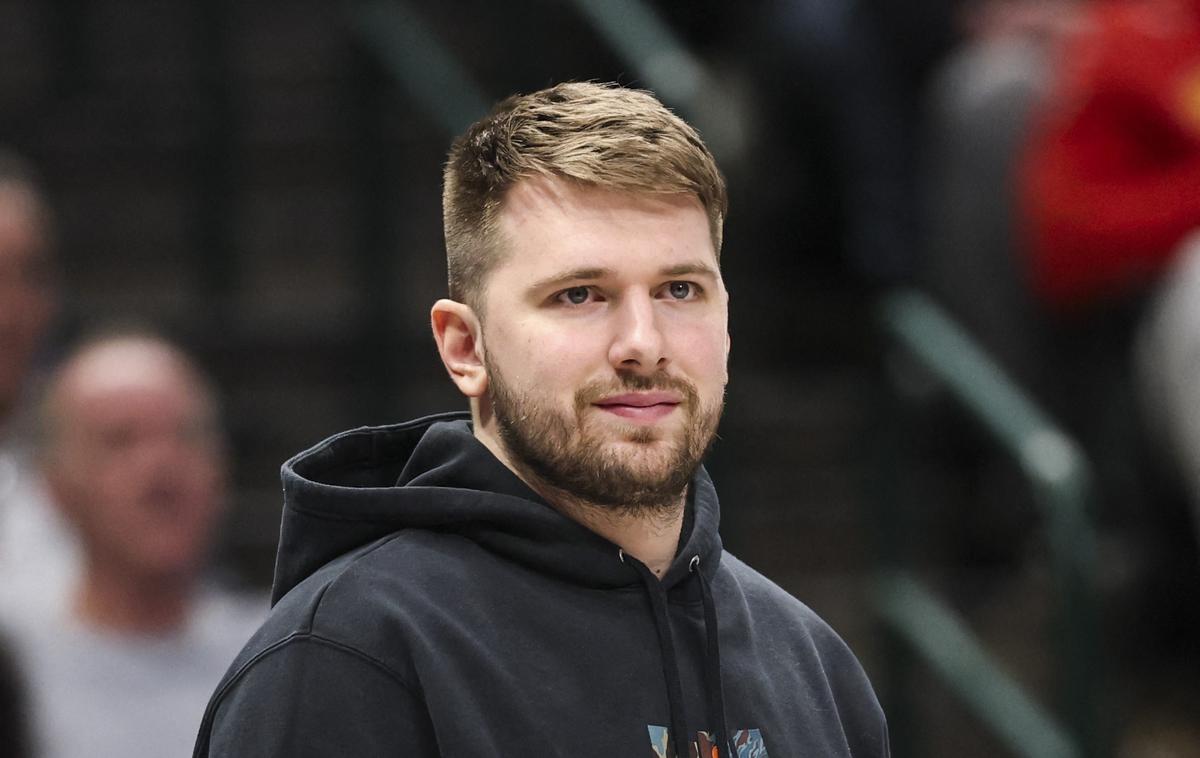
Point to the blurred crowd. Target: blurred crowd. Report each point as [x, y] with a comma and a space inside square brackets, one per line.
[112, 482]
[1061, 207]
[1041, 180]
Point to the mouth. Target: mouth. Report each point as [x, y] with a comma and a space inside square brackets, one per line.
[643, 407]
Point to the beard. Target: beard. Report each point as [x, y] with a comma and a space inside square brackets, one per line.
[558, 449]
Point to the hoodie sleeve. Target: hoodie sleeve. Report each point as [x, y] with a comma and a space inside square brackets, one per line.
[314, 698]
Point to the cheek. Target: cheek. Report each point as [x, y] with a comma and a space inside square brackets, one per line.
[704, 354]
[108, 511]
[543, 360]
[118, 489]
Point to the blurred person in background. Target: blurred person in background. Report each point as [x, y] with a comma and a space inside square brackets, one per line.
[978, 108]
[1110, 174]
[38, 554]
[1110, 190]
[1168, 365]
[130, 443]
[1109, 195]
[978, 104]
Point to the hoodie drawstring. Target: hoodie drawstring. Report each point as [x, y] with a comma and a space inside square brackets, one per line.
[666, 642]
[712, 660]
[712, 672]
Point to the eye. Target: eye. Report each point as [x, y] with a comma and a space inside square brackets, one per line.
[574, 295]
[682, 290]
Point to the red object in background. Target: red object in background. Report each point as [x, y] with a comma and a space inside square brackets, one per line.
[1110, 178]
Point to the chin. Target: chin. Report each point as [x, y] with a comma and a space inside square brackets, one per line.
[640, 444]
[648, 461]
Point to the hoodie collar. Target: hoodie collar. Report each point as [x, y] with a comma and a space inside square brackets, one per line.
[359, 486]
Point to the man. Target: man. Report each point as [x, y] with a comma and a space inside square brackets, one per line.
[132, 455]
[545, 577]
[39, 558]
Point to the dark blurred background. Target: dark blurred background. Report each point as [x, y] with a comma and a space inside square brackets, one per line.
[262, 179]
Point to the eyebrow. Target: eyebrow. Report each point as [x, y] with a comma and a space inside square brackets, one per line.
[574, 275]
[686, 269]
[584, 274]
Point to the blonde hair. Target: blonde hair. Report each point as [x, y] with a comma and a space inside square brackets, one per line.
[601, 135]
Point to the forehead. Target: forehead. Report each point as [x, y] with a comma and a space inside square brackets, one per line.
[545, 221]
[108, 377]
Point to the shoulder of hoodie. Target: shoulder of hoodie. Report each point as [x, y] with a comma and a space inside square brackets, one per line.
[820, 657]
[335, 605]
[776, 611]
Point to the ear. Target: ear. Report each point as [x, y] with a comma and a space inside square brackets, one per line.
[459, 337]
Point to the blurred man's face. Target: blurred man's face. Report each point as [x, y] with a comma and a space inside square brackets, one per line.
[136, 463]
[26, 293]
[606, 341]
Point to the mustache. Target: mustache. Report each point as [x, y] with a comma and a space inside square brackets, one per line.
[627, 382]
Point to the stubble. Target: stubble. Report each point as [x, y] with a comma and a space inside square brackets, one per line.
[638, 471]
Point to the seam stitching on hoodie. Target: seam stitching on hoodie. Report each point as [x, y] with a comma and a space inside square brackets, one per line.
[383, 667]
[303, 636]
[300, 635]
[320, 598]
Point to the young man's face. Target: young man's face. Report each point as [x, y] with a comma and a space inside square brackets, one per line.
[605, 341]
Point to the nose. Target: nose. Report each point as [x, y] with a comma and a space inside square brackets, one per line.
[638, 343]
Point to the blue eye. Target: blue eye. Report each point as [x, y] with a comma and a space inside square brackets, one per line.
[681, 290]
[576, 295]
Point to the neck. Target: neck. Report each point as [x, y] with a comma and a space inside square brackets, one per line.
[133, 605]
[651, 537]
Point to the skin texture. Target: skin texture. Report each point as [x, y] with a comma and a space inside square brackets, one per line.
[27, 298]
[135, 464]
[603, 345]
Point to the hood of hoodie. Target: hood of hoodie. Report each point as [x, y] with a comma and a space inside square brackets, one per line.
[361, 485]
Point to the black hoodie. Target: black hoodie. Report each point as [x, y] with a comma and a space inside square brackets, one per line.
[429, 603]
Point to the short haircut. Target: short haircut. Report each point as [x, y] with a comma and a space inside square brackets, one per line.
[599, 135]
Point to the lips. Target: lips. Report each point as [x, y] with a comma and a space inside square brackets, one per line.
[641, 399]
[640, 406]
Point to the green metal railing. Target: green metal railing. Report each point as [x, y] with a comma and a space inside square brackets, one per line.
[952, 650]
[408, 47]
[636, 32]
[412, 52]
[1059, 475]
